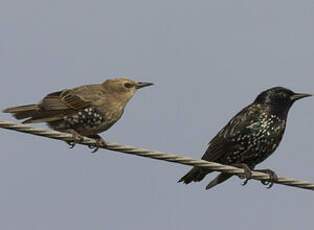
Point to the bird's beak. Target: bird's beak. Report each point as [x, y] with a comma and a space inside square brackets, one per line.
[143, 84]
[298, 96]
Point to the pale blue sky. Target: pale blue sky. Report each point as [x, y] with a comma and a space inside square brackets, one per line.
[208, 59]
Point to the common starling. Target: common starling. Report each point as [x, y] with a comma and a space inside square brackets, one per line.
[249, 137]
[83, 111]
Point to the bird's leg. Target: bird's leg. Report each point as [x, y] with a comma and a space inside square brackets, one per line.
[247, 172]
[100, 143]
[77, 138]
[272, 177]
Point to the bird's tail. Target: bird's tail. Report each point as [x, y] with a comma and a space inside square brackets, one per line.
[195, 174]
[218, 180]
[33, 113]
[24, 111]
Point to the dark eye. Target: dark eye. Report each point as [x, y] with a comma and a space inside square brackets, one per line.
[128, 85]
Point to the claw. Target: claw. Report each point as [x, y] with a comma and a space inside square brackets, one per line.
[100, 143]
[95, 150]
[245, 182]
[272, 177]
[94, 147]
[247, 172]
[71, 143]
[77, 138]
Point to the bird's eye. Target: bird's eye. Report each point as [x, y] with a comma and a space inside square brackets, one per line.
[128, 85]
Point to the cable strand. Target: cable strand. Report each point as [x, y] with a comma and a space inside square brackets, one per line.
[157, 155]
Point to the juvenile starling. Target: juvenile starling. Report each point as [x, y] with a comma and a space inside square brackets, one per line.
[83, 111]
[250, 137]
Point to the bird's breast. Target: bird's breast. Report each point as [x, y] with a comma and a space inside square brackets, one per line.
[257, 141]
[89, 121]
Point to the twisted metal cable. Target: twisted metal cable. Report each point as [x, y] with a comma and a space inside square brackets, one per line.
[157, 155]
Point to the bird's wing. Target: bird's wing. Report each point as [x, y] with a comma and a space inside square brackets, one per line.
[223, 142]
[56, 105]
[63, 101]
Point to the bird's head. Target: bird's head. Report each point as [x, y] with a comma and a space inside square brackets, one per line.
[279, 98]
[123, 88]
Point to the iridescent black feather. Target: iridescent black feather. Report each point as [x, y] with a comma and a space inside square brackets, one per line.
[251, 136]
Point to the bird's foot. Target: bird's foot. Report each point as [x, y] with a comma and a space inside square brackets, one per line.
[100, 143]
[247, 172]
[272, 177]
[76, 138]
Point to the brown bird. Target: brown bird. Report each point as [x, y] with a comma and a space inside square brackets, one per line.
[83, 111]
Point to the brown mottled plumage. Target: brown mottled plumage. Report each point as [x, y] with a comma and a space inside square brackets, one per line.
[86, 110]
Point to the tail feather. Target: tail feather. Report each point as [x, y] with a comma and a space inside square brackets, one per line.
[24, 111]
[195, 174]
[33, 114]
[23, 108]
[218, 180]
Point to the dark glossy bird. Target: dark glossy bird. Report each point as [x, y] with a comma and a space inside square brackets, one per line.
[250, 137]
[83, 111]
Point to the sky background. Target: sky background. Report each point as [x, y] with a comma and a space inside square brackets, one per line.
[208, 59]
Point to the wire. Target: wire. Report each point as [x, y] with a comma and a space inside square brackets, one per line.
[157, 155]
